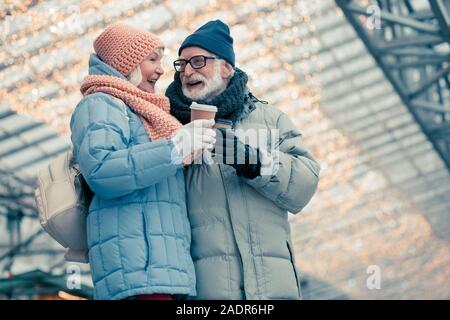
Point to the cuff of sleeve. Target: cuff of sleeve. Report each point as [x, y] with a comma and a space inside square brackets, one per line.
[267, 163]
[267, 170]
[175, 157]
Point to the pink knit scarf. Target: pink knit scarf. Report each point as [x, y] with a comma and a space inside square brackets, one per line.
[153, 109]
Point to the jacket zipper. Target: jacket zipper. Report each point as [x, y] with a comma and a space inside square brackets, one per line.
[231, 223]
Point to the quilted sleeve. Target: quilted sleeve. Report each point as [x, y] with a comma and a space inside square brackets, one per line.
[293, 182]
[101, 140]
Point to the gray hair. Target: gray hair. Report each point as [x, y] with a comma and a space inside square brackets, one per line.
[135, 76]
[223, 62]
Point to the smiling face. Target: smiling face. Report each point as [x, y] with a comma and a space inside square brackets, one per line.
[207, 82]
[151, 70]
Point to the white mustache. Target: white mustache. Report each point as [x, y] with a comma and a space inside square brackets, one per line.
[196, 77]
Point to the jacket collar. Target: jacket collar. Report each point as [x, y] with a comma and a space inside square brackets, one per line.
[98, 67]
[249, 106]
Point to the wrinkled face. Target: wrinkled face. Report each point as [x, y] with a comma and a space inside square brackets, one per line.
[207, 82]
[151, 70]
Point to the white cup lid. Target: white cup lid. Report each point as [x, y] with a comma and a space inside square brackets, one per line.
[203, 107]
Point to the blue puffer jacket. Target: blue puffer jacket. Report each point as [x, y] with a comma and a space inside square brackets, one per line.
[138, 231]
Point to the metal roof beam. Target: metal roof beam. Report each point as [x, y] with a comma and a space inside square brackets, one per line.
[46, 156]
[11, 134]
[405, 89]
[441, 12]
[430, 106]
[418, 52]
[425, 14]
[27, 145]
[418, 63]
[23, 244]
[403, 21]
[427, 83]
[408, 41]
[6, 113]
[442, 132]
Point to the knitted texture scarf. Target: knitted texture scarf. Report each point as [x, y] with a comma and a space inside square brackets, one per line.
[230, 103]
[152, 108]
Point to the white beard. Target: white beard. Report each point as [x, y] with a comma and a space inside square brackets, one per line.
[212, 87]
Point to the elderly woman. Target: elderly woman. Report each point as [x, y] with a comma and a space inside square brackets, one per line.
[131, 152]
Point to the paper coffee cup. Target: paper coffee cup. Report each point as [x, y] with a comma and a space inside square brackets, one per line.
[202, 111]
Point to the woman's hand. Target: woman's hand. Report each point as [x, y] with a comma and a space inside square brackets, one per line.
[191, 139]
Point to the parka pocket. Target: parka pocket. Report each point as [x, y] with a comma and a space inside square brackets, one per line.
[296, 273]
[147, 241]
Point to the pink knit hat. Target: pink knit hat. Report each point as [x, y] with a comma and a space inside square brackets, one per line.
[124, 47]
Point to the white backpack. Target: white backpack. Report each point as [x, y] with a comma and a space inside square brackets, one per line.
[63, 198]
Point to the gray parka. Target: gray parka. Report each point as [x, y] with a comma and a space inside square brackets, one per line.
[241, 243]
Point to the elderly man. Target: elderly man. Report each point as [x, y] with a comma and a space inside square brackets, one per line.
[241, 243]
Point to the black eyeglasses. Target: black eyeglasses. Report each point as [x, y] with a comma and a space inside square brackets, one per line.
[196, 62]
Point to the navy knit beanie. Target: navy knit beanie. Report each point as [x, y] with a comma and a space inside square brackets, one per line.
[213, 36]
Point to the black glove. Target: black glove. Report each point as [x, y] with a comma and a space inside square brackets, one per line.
[231, 151]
